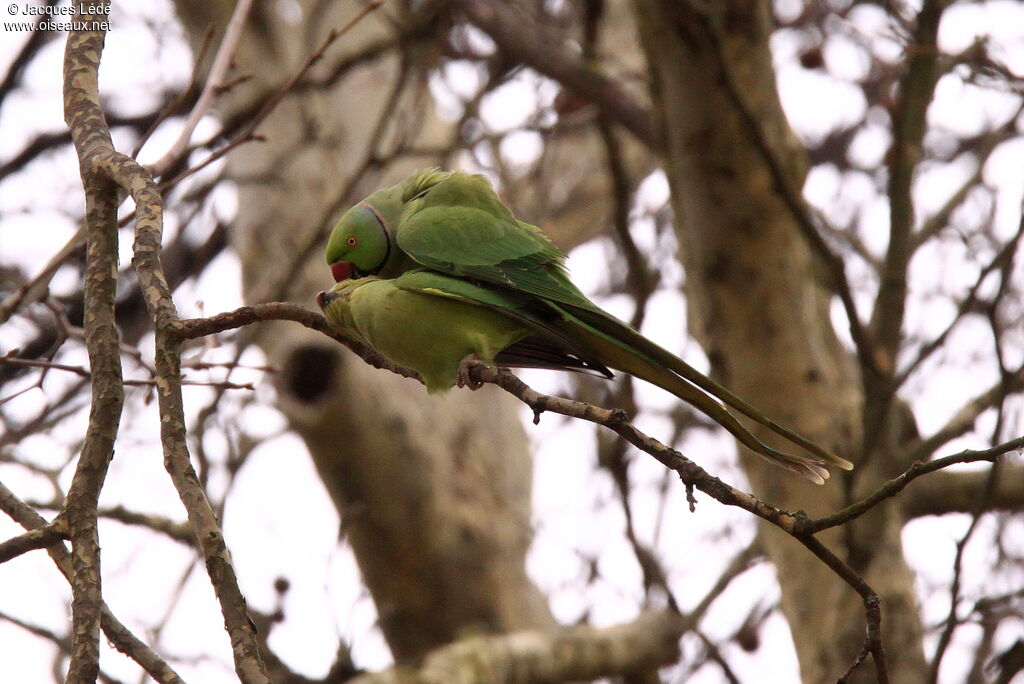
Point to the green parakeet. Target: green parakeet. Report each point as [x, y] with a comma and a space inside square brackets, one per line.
[456, 275]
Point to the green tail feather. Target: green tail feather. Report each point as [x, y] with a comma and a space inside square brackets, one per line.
[621, 347]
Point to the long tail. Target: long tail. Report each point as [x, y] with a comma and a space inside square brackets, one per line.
[620, 346]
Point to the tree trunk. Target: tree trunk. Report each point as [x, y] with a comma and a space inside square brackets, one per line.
[758, 305]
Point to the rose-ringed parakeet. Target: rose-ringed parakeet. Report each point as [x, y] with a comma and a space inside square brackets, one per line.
[453, 266]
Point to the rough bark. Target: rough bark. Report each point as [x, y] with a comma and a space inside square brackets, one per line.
[758, 305]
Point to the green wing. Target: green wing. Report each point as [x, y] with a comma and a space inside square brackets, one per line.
[460, 227]
[548, 347]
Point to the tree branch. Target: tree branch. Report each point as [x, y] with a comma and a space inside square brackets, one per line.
[692, 475]
[215, 79]
[957, 492]
[39, 538]
[90, 134]
[157, 294]
[909, 125]
[964, 419]
[896, 485]
[614, 419]
[36, 40]
[569, 654]
[284, 311]
[526, 41]
[248, 130]
[1002, 260]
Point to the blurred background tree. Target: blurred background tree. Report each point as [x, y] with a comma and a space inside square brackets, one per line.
[835, 190]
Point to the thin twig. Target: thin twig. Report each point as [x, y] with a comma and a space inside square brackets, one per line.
[1001, 260]
[896, 485]
[186, 96]
[531, 43]
[35, 288]
[248, 132]
[909, 125]
[84, 373]
[178, 531]
[219, 69]
[964, 419]
[952, 620]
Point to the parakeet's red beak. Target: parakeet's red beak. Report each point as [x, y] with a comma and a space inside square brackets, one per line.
[341, 270]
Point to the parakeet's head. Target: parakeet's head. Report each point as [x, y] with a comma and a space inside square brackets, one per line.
[360, 242]
[341, 290]
[335, 302]
[363, 239]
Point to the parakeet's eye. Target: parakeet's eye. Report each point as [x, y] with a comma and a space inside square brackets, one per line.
[352, 241]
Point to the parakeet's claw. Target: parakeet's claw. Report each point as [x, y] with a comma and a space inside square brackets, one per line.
[463, 379]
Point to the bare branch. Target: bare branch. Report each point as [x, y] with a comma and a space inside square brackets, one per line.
[956, 492]
[178, 531]
[153, 282]
[35, 288]
[185, 98]
[909, 126]
[526, 40]
[248, 132]
[215, 79]
[84, 373]
[896, 485]
[692, 475]
[614, 419]
[39, 538]
[103, 168]
[953, 619]
[1002, 260]
[36, 40]
[91, 136]
[568, 654]
[940, 219]
[963, 420]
